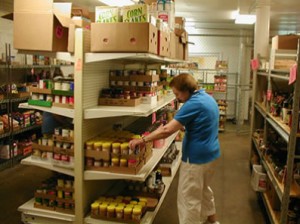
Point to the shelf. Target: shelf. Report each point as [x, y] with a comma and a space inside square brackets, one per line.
[16, 100]
[55, 110]
[149, 216]
[282, 129]
[143, 173]
[265, 74]
[274, 216]
[4, 135]
[279, 187]
[19, 131]
[47, 165]
[4, 101]
[281, 77]
[257, 148]
[65, 56]
[139, 57]
[36, 215]
[261, 109]
[143, 110]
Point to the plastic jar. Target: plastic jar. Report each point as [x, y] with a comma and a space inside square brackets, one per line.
[123, 162]
[60, 183]
[103, 209]
[116, 148]
[133, 202]
[115, 161]
[60, 194]
[111, 211]
[127, 213]
[124, 148]
[137, 213]
[119, 212]
[98, 146]
[94, 208]
[97, 163]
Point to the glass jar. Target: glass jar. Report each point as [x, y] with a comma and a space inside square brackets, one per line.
[106, 163]
[89, 162]
[136, 214]
[98, 146]
[127, 213]
[60, 183]
[103, 209]
[124, 148]
[123, 162]
[89, 145]
[111, 211]
[116, 148]
[115, 161]
[60, 194]
[119, 212]
[132, 163]
[106, 147]
[94, 208]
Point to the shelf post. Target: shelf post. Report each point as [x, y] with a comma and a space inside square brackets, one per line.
[291, 146]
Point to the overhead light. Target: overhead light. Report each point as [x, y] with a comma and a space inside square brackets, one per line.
[118, 3]
[245, 19]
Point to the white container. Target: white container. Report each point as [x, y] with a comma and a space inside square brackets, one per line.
[57, 85]
[65, 86]
[258, 179]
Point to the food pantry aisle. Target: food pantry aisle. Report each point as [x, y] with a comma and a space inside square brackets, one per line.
[235, 200]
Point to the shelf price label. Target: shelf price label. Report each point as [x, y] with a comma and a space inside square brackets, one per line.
[269, 95]
[254, 64]
[293, 74]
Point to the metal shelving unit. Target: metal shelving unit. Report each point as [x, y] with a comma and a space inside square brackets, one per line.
[90, 120]
[262, 83]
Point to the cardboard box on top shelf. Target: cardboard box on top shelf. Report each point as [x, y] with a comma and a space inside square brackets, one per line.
[287, 42]
[164, 43]
[179, 23]
[40, 25]
[123, 37]
[179, 49]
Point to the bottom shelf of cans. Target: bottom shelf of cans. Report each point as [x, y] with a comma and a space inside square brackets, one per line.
[140, 201]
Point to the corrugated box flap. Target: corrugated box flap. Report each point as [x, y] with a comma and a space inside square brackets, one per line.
[44, 6]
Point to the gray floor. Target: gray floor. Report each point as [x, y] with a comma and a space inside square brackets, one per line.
[236, 202]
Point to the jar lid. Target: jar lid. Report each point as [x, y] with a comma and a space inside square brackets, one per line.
[106, 145]
[137, 211]
[116, 144]
[115, 159]
[103, 206]
[132, 161]
[119, 208]
[111, 208]
[127, 210]
[142, 203]
[130, 206]
[143, 200]
[98, 144]
[135, 136]
[133, 202]
[94, 205]
[89, 143]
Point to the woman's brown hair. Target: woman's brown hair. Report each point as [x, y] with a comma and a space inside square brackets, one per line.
[184, 82]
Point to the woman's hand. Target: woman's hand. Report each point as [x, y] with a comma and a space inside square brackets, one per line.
[135, 142]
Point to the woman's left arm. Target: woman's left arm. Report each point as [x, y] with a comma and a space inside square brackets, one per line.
[163, 131]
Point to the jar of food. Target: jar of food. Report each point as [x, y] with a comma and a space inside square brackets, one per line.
[60, 182]
[119, 212]
[98, 146]
[116, 148]
[94, 208]
[60, 194]
[89, 162]
[124, 148]
[97, 163]
[127, 213]
[132, 163]
[89, 145]
[123, 162]
[68, 195]
[115, 161]
[60, 204]
[133, 202]
[111, 211]
[106, 147]
[106, 163]
[103, 209]
[136, 214]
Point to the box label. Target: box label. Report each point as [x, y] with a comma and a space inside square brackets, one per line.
[135, 13]
[107, 15]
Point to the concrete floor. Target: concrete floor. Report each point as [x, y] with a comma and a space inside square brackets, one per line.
[235, 201]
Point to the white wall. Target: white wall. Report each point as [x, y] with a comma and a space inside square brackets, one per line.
[227, 47]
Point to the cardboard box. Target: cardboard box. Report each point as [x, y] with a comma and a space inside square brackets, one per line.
[289, 42]
[119, 102]
[98, 155]
[179, 49]
[163, 48]
[179, 22]
[138, 13]
[107, 14]
[152, 100]
[44, 148]
[283, 64]
[123, 37]
[40, 25]
[173, 45]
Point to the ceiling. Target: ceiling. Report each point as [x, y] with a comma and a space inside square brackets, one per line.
[218, 14]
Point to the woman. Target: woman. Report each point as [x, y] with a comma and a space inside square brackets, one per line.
[199, 116]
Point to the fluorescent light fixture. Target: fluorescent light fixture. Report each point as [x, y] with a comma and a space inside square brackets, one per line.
[245, 19]
[118, 3]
